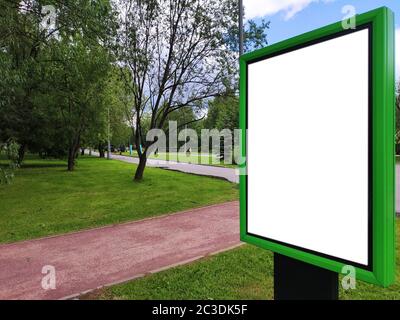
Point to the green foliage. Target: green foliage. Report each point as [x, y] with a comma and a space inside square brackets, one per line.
[102, 71]
[73, 86]
[53, 96]
[118, 101]
[184, 118]
[180, 54]
[223, 113]
[10, 149]
[254, 33]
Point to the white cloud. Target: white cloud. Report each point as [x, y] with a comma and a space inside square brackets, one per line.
[261, 8]
[397, 53]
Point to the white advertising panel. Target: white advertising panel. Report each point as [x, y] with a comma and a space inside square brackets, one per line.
[308, 147]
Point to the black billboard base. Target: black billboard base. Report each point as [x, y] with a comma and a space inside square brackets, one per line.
[297, 280]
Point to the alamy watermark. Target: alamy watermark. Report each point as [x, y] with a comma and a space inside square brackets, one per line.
[49, 280]
[211, 146]
[349, 19]
[349, 278]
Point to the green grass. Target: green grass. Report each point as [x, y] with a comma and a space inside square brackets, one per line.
[242, 273]
[45, 199]
[194, 157]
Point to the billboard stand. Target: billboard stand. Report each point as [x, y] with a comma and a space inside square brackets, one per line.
[297, 280]
[329, 200]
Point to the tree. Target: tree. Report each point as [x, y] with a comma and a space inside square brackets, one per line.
[223, 113]
[27, 57]
[20, 43]
[178, 56]
[10, 149]
[118, 100]
[76, 83]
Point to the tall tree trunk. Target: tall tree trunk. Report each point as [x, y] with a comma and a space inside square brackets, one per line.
[141, 167]
[21, 153]
[73, 153]
[101, 150]
[71, 159]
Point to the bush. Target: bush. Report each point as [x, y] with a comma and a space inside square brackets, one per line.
[11, 151]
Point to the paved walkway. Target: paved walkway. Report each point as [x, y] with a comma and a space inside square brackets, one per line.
[88, 259]
[226, 173]
[229, 174]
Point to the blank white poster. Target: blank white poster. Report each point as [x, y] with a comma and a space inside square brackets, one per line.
[307, 147]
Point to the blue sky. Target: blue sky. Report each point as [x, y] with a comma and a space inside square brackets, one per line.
[292, 17]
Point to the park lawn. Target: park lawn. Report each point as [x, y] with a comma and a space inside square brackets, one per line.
[194, 157]
[242, 273]
[45, 199]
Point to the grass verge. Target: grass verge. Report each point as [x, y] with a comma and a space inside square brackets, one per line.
[242, 273]
[45, 199]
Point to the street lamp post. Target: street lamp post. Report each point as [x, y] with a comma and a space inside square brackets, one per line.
[241, 36]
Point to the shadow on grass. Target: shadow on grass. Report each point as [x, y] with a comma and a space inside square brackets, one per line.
[43, 165]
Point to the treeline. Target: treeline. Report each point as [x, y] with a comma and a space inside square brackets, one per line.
[59, 84]
[74, 73]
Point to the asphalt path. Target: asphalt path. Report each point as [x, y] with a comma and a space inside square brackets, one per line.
[229, 174]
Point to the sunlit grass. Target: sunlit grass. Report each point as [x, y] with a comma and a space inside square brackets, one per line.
[242, 273]
[45, 199]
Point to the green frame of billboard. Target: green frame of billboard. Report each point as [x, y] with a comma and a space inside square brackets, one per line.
[381, 270]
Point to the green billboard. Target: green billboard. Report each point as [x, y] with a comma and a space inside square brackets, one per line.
[319, 114]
